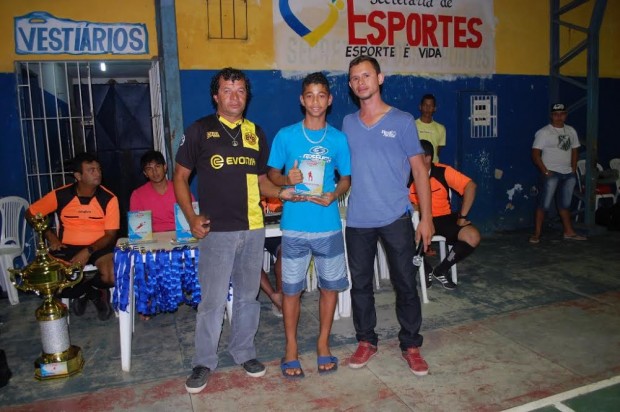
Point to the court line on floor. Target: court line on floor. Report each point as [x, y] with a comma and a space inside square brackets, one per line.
[551, 400]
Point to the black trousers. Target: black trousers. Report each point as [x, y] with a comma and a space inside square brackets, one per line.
[398, 240]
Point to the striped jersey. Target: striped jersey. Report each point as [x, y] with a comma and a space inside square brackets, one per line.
[228, 191]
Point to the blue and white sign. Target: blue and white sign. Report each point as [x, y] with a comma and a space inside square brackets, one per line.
[42, 33]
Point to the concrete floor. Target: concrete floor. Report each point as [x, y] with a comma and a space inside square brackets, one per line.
[526, 322]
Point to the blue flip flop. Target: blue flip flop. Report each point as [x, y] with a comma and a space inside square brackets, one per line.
[294, 364]
[325, 360]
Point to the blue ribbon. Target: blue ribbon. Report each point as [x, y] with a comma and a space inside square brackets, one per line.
[155, 282]
[163, 279]
[143, 265]
[190, 283]
[168, 300]
[122, 269]
[174, 277]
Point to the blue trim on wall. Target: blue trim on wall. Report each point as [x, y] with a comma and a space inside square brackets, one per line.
[523, 109]
[11, 157]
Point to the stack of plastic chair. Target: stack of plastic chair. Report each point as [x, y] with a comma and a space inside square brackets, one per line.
[12, 240]
[601, 191]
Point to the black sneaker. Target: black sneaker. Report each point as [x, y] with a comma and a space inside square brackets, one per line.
[254, 368]
[429, 279]
[102, 303]
[445, 281]
[197, 381]
[78, 305]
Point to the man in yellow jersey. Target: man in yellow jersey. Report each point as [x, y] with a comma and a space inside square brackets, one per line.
[429, 129]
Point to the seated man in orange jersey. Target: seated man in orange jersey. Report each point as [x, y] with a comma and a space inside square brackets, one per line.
[458, 231]
[88, 216]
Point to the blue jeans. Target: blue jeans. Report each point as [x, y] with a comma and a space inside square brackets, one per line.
[228, 257]
[559, 185]
[398, 241]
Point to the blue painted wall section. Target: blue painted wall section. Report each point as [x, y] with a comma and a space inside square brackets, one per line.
[504, 203]
[11, 158]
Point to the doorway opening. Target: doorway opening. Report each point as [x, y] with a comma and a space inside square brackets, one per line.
[68, 107]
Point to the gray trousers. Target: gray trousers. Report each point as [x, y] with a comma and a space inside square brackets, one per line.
[224, 257]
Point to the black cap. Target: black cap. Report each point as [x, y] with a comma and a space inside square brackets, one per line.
[558, 107]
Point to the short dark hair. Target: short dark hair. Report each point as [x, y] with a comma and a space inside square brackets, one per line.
[234, 75]
[362, 59]
[428, 97]
[152, 156]
[428, 148]
[315, 78]
[80, 158]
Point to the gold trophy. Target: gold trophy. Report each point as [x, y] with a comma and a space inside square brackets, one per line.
[46, 276]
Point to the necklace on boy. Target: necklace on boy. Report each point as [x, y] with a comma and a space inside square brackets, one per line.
[235, 143]
[303, 128]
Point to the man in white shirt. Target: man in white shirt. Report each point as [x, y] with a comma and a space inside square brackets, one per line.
[554, 153]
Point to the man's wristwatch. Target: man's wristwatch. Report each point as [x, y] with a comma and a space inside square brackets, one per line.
[462, 216]
[91, 250]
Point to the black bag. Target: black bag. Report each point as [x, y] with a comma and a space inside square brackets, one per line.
[5, 372]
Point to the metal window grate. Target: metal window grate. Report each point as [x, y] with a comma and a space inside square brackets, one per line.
[483, 116]
[55, 109]
[227, 19]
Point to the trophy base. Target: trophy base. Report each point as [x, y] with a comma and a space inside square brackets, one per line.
[59, 365]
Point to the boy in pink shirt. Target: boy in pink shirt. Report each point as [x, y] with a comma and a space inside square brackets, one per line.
[156, 195]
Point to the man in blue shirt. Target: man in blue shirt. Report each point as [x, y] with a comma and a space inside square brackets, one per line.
[385, 149]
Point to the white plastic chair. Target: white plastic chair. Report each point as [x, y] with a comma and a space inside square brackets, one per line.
[12, 240]
[442, 254]
[599, 192]
[266, 261]
[343, 200]
[615, 164]
[343, 309]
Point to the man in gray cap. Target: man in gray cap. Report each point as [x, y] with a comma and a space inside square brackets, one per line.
[554, 153]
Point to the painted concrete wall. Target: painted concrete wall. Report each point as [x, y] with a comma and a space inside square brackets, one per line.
[521, 84]
[522, 38]
[523, 110]
[109, 11]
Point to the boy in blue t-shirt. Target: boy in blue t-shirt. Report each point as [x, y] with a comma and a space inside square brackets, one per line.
[311, 227]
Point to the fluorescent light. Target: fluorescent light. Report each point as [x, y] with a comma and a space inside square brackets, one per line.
[102, 66]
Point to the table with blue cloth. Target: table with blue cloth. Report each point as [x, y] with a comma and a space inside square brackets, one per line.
[157, 277]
